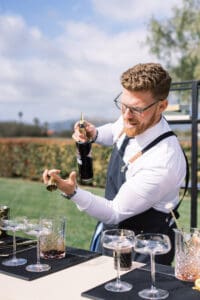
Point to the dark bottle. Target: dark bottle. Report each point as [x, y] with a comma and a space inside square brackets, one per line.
[84, 157]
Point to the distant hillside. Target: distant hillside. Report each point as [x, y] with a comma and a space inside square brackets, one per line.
[61, 125]
[69, 124]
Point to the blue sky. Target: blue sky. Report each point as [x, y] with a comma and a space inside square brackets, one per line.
[61, 57]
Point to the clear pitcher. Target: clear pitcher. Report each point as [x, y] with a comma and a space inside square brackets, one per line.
[53, 244]
[187, 254]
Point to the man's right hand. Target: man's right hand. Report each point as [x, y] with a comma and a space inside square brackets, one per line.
[90, 129]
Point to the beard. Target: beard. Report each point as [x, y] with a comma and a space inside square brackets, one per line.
[133, 126]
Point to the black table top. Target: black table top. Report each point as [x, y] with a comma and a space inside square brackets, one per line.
[141, 279]
[73, 257]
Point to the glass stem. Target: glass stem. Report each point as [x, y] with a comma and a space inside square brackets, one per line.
[14, 245]
[118, 268]
[38, 250]
[153, 280]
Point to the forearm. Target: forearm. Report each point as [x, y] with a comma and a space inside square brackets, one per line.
[96, 206]
[109, 212]
[134, 197]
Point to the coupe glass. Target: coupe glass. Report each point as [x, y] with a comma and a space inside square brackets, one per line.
[38, 227]
[120, 242]
[152, 244]
[15, 224]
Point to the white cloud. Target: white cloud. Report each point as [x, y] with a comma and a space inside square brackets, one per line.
[133, 10]
[82, 66]
[54, 78]
[87, 44]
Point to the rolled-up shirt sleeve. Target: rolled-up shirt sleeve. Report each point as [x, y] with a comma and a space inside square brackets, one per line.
[137, 194]
[108, 134]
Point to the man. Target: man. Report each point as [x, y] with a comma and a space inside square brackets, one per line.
[147, 165]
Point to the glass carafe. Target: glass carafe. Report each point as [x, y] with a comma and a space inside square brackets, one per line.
[187, 254]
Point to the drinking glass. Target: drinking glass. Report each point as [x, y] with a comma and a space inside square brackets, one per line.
[4, 215]
[187, 254]
[53, 245]
[120, 242]
[38, 227]
[15, 224]
[152, 244]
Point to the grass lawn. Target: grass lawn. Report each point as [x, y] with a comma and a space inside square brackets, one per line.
[31, 199]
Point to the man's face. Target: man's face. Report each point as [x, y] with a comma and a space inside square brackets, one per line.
[136, 122]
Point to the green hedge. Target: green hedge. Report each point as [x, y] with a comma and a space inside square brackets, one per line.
[27, 158]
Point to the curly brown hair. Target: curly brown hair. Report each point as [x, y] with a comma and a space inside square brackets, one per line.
[147, 77]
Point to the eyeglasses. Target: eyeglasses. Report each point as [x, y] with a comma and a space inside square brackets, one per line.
[120, 105]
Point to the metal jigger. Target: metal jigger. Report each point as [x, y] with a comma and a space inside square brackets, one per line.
[51, 185]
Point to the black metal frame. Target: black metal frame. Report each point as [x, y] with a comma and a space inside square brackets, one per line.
[194, 120]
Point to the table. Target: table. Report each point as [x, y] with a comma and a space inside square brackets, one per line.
[69, 278]
[66, 284]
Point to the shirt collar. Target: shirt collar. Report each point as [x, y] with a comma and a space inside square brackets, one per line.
[153, 132]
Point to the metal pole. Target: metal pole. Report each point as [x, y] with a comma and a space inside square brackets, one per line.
[194, 153]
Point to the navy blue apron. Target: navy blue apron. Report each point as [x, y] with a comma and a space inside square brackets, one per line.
[150, 221]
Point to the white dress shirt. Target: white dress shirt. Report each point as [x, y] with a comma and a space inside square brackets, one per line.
[152, 180]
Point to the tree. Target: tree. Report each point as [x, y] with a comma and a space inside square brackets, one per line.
[176, 41]
[20, 115]
[36, 122]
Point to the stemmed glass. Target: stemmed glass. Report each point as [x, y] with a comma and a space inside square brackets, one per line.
[38, 227]
[120, 242]
[152, 244]
[15, 224]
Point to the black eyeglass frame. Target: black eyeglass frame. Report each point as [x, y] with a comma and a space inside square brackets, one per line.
[132, 109]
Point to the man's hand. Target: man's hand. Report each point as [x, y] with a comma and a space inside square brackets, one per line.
[67, 186]
[81, 137]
